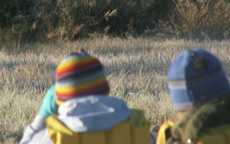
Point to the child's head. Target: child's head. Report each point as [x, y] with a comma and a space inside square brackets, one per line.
[195, 78]
[80, 74]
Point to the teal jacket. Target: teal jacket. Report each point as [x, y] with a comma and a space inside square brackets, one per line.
[49, 106]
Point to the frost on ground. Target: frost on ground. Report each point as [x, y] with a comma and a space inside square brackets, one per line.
[136, 70]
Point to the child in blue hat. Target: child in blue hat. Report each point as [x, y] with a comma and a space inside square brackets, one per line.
[200, 92]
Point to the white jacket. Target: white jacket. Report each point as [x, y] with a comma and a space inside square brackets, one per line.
[84, 114]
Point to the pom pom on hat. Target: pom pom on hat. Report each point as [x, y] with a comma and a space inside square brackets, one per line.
[80, 74]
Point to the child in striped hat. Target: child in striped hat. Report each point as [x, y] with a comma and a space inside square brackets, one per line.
[78, 75]
[79, 97]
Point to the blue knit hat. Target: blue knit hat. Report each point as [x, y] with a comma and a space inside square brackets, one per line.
[194, 78]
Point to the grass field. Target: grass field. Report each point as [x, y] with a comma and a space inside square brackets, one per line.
[136, 70]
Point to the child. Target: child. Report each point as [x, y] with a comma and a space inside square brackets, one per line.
[200, 93]
[78, 105]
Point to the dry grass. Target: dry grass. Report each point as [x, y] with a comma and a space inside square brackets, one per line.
[135, 68]
[204, 17]
[45, 20]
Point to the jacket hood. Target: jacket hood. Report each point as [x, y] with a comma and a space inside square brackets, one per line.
[93, 113]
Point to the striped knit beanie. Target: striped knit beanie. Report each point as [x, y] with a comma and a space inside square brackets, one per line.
[80, 74]
[195, 78]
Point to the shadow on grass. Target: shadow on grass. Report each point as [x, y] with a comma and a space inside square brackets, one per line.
[14, 136]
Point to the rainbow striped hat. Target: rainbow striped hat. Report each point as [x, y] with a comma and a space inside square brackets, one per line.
[80, 74]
